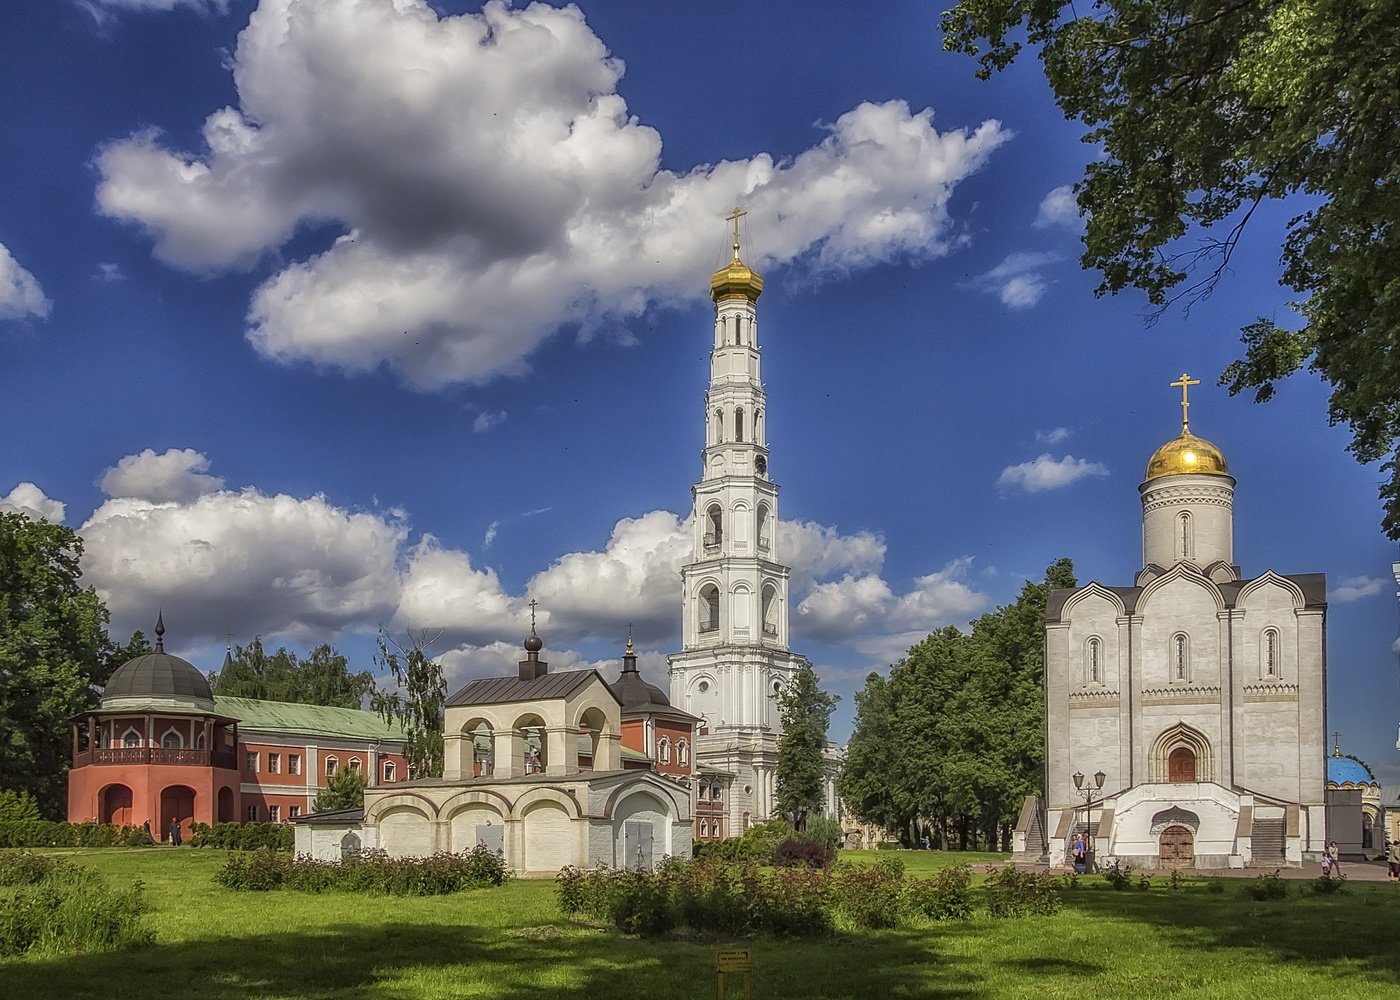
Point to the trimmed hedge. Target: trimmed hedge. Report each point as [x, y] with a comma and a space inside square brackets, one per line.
[47, 833]
[242, 837]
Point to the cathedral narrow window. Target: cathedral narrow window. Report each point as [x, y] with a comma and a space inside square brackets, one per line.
[683, 753]
[1184, 524]
[739, 423]
[719, 426]
[764, 541]
[709, 608]
[1181, 655]
[1091, 654]
[1270, 653]
[736, 330]
[663, 750]
[715, 535]
[770, 609]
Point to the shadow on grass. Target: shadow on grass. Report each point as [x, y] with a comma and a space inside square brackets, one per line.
[352, 962]
[1346, 934]
[1053, 966]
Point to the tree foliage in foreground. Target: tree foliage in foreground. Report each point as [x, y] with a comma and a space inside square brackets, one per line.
[1206, 108]
[419, 701]
[54, 653]
[322, 678]
[954, 739]
[800, 775]
[345, 789]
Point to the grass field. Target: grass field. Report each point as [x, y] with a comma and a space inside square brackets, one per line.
[512, 944]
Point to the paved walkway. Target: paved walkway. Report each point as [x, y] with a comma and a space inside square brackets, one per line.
[1355, 871]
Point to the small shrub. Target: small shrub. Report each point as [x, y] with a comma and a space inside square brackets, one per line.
[825, 831]
[259, 871]
[1329, 886]
[946, 896]
[1175, 882]
[1215, 885]
[68, 909]
[799, 851]
[1145, 883]
[871, 896]
[1267, 886]
[1119, 875]
[1070, 880]
[641, 904]
[1012, 893]
[24, 868]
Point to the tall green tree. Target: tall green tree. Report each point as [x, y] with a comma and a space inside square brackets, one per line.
[800, 776]
[322, 678]
[418, 702]
[953, 741]
[54, 653]
[1205, 109]
[345, 789]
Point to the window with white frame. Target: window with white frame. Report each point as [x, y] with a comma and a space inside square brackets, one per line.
[1269, 654]
[1181, 658]
[274, 763]
[332, 763]
[389, 771]
[293, 763]
[253, 761]
[683, 753]
[663, 750]
[1093, 661]
[172, 740]
[274, 814]
[355, 765]
[293, 812]
[1183, 522]
[253, 813]
[131, 738]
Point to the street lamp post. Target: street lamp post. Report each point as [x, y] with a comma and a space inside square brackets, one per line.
[1099, 778]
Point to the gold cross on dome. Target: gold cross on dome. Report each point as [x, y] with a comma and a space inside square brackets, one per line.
[1186, 381]
[734, 217]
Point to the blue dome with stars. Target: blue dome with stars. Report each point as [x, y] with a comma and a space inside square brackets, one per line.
[1340, 770]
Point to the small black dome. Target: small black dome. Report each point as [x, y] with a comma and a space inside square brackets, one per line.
[635, 693]
[160, 677]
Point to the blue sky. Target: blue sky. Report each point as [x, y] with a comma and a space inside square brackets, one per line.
[397, 314]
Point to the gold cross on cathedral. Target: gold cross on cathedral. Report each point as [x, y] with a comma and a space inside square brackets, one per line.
[734, 217]
[1185, 383]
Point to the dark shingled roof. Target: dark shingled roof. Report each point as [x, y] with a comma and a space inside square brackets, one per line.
[500, 690]
[638, 696]
[157, 675]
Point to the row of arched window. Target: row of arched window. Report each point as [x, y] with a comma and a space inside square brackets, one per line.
[736, 329]
[714, 525]
[739, 428]
[709, 608]
[663, 751]
[1179, 667]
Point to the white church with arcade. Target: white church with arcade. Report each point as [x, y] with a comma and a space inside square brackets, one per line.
[1185, 714]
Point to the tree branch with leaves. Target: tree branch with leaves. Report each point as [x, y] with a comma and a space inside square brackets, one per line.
[419, 701]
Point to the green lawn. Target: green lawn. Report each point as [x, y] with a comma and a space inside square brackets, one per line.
[512, 943]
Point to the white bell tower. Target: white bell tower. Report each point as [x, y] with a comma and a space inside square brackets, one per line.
[735, 654]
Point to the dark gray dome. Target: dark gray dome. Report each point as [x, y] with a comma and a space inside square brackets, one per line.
[635, 693]
[158, 677]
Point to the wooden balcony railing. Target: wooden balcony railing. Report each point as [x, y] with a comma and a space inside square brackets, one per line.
[225, 759]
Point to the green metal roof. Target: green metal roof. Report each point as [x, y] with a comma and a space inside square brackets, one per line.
[306, 720]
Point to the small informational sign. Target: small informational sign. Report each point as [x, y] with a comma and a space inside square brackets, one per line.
[732, 960]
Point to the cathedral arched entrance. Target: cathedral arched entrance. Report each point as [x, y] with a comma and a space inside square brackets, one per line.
[116, 805]
[176, 804]
[1176, 848]
[1181, 765]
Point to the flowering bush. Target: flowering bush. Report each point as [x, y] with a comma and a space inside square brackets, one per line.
[797, 851]
[368, 871]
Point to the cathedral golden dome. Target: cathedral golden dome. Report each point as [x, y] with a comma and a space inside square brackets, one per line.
[1187, 454]
[736, 280]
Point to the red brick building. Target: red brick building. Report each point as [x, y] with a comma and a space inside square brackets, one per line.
[161, 748]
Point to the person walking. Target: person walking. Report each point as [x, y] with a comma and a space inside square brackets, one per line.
[174, 833]
[1332, 856]
[1392, 857]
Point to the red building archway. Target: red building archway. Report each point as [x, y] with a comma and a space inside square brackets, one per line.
[176, 804]
[116, 805]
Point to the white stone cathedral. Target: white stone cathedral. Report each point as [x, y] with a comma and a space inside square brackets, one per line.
[1185, 715]
[735, 654]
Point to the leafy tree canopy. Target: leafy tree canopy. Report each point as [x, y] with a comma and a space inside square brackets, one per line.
[1204, 109]
[955, 735]
[418, 703]
[322, 678]
[345, 789]
[54, 654]
[801, 772]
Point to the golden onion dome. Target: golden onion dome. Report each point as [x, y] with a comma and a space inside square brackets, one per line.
[1187, 454]
[736, 280]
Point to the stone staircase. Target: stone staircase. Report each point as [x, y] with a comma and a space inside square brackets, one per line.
[1266, 843]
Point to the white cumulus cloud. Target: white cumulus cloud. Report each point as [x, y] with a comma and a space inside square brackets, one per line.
[443, 590]
[1046, 473]
[1356, 587]
[493, 187]
[882, 622]
[29, 500]
[1059, 208]
[20, 294]
[175, 476]
[278, 565]
[1019, 280]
